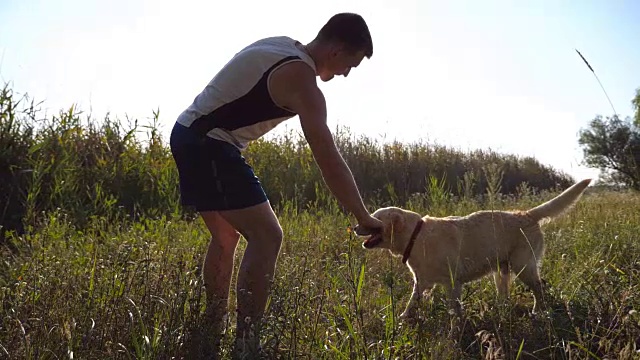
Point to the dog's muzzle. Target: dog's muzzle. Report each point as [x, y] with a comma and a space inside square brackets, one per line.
[372, 241]
[375, 236]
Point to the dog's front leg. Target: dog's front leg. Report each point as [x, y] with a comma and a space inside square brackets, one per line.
[418, 289]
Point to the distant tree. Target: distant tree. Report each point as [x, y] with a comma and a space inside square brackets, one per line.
[613, 146]
[636, 106]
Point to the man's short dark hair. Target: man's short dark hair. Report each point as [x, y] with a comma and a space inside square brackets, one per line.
[349, 29]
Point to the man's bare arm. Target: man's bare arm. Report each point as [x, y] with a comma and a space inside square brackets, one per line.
[305, 98]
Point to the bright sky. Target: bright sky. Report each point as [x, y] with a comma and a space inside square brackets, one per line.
[467, 74]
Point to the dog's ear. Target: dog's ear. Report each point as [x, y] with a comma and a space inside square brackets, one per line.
[397, 221]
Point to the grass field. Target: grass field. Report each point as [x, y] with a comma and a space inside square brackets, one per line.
[100, 261]
[135, 292]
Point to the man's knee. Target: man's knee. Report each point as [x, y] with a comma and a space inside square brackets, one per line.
[268, 240]
[278, 237]
[273, 238]
[225, 240]
[228, 238]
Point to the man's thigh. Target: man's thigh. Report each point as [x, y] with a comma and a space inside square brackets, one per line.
[219, 228]
[214, 176]
[255, 223]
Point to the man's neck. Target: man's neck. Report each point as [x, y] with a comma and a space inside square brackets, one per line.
[316, 52]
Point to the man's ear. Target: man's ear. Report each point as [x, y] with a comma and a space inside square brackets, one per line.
[337, 49]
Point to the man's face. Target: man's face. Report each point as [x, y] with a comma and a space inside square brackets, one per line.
[340, 62]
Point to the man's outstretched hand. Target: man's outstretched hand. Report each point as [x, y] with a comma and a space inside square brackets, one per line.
[368, 225]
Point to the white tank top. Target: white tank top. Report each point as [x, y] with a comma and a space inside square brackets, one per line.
[236, 105]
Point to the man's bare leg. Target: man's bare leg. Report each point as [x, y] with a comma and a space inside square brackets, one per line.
[260, 226]
[216, 272]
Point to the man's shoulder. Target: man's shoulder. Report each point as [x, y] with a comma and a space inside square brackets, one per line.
[283, 55]
[295, 87]
[299, 72]
[270, 42]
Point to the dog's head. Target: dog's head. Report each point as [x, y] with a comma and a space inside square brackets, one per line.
[398, 225]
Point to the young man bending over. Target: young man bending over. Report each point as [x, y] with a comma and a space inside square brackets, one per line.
[263, 85]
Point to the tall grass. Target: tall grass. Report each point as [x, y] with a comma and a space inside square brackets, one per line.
[124, 291]
[121, 170]
[104, 263]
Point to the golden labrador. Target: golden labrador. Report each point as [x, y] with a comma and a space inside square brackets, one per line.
[458, 249]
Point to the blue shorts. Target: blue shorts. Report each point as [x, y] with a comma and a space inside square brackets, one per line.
[213, 174]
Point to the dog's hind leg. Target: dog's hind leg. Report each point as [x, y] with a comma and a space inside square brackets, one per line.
[528, 273]
[503, 278]
[531, 278]
[455, 304]
[524, 263]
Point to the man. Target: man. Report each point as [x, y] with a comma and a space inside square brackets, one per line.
[264, 84]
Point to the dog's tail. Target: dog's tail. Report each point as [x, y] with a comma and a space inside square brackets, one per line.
[561, 203]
